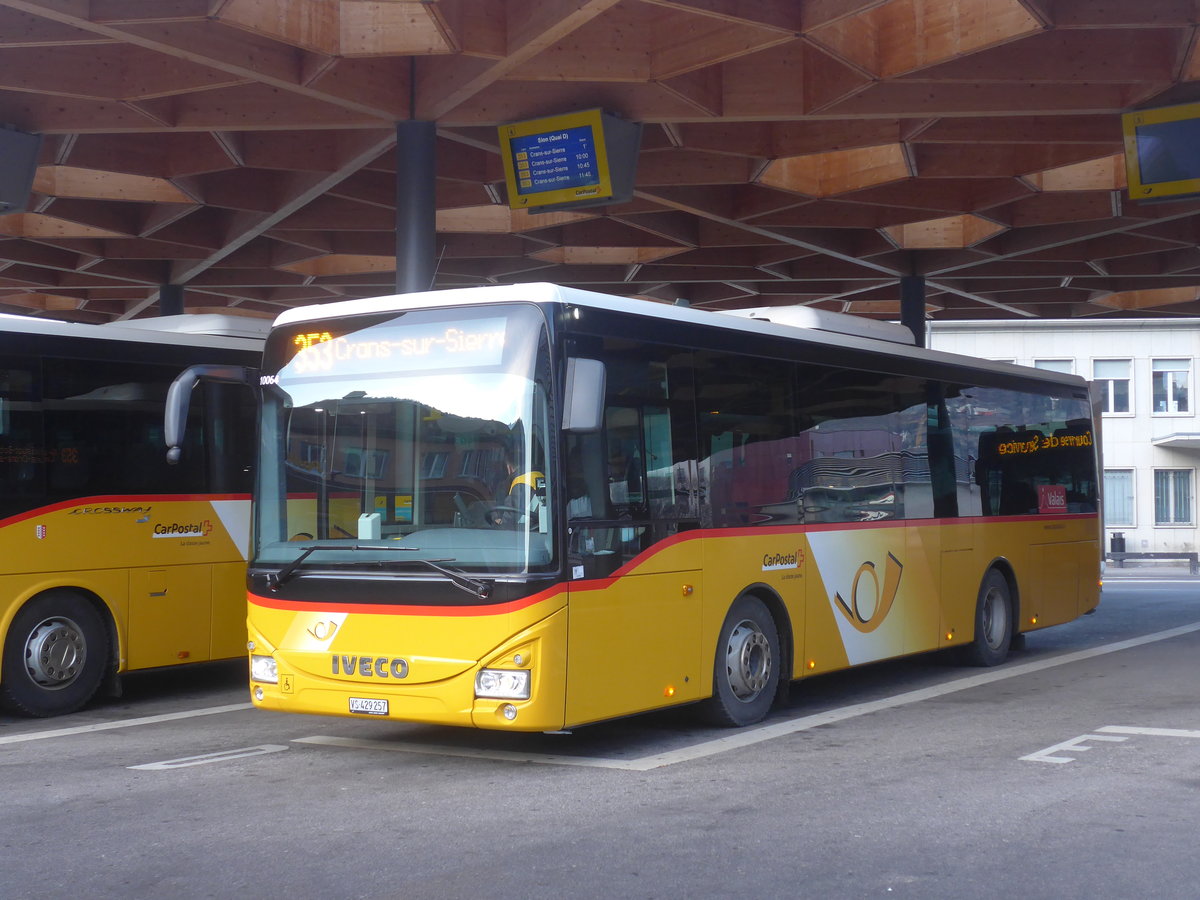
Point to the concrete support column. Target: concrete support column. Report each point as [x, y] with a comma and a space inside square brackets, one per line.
[416, 206]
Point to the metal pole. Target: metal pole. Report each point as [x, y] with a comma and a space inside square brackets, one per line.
[170, 299]
[416, 206]
[912, 306]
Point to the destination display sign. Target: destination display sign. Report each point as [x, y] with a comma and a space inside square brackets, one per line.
[395, 348]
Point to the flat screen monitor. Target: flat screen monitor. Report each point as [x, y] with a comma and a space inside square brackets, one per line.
[569, 161]
[1162, 152]
[18, 162]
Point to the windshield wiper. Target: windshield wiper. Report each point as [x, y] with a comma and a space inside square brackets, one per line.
[275, 580]
[480, 589]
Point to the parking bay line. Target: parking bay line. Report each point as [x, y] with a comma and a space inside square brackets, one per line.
[125, 723]
[1151, 732]
[205, 759]
[749, 737]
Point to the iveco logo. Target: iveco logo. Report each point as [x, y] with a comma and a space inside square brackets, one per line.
[369, 666]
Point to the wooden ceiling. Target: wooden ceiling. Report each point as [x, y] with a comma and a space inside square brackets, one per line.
[794, 151]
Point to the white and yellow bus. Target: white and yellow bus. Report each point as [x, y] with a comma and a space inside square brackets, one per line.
[531, 507]
[110, 560]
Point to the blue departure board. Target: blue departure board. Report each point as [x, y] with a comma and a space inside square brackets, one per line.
[555, 160]
[568, 161]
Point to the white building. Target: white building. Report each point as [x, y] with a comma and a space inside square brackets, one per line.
[1143, 369]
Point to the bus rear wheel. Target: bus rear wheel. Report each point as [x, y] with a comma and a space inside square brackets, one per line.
[746, 666]
[993, 622]
[55, 655]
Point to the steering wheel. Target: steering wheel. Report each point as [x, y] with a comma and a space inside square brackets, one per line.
[502, 516]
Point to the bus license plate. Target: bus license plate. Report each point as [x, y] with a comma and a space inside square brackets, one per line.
[369, 706]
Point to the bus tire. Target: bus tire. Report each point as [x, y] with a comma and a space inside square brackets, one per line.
[55, 656]
[746, 668]
[993, 622]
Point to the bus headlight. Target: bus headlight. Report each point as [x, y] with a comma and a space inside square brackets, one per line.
[502, 684]
[263, 668]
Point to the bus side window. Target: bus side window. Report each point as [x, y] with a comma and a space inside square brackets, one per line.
[748, 434]
[22, 455]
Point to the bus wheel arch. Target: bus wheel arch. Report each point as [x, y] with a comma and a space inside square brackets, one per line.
[997, 610]
[752, 653]
[58, 652]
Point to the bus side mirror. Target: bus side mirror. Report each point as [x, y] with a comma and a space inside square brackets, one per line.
[179, 395]
[583, 396]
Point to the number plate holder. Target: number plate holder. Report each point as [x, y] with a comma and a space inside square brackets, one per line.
[368, 706]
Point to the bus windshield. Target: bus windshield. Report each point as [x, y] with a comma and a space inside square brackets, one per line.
[423, 432]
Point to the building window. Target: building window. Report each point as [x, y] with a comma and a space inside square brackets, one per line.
[1066, 366]
[1173, 497]
[1118, 497]
[1170, 385]
[1112, 379]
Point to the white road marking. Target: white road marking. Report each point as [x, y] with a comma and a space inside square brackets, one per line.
[1047, 755]
[750, 736]
[1153, 732]
[124, 723]
[1073, 745]
[220, 756]
[468, 752]
[1112, 582]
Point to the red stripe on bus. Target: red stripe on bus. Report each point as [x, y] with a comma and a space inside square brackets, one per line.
[764, 531]
[599, 584]
[387, 609]
[112, 499]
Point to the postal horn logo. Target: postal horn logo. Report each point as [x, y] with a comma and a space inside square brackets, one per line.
[869, 601]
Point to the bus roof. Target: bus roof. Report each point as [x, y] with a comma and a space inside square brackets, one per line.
[171, 332]
[749, 321]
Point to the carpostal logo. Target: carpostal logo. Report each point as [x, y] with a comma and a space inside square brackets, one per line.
[773, 561]
[183, 530]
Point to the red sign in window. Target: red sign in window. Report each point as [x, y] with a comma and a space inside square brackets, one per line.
[1052, 498]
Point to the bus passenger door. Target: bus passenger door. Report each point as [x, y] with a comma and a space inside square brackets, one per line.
[950, 539]
[170, 611]
[634, 613]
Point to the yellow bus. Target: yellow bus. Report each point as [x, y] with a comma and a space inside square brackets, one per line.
[531, 507]
[109, 560]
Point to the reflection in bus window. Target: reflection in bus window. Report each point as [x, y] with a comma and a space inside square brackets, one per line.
[866, 451]
[636, 480]
[1024, 454]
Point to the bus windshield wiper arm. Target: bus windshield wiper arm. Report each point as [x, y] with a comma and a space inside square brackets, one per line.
[480, 589]
[276, 579]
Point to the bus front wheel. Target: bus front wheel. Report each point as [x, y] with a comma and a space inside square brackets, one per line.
[993, 622]
[746, 667]
[55, 655]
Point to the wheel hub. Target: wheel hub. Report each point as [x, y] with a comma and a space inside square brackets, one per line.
[995, 619]
[55, 653]
[747, 661]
